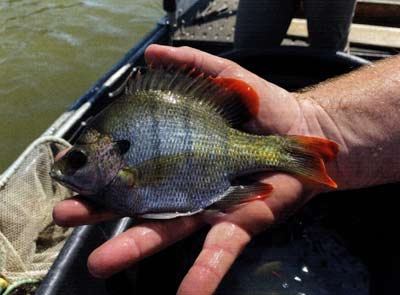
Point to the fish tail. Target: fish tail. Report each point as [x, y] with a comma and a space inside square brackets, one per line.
[309, 155]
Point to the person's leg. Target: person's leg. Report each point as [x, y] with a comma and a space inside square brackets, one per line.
[329, 22]
[262, 23]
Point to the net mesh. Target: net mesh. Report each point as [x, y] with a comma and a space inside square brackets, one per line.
[29, 240]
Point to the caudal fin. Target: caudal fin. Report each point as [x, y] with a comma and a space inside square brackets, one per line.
[309, 154]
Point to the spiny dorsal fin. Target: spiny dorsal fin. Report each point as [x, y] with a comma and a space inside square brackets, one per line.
[233, 99]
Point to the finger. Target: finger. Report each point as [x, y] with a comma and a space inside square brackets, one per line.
[180, 56]
[290, 194]
[232, 232]
[223, 244]
[139, 242]
[74, 212]
[61, 154]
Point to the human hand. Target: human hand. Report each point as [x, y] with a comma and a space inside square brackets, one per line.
[280, 112]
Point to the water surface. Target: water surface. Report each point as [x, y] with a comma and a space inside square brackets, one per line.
[51, 52]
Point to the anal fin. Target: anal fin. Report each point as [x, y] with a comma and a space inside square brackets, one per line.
[242, 194]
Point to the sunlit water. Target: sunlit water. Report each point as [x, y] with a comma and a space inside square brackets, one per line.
[50, 54]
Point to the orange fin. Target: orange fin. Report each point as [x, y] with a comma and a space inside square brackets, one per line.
[321, 176]
[245, 92]
[243, 194]
[309, 154]
[276, 274]
[325, 148]
[263, 195]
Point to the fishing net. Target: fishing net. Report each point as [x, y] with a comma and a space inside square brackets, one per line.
[29, 240]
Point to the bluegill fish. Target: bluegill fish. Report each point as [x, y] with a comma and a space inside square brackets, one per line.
[171, 146]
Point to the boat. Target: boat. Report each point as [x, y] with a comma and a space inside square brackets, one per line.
[352, 238]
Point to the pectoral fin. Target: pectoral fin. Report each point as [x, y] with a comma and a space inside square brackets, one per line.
[152, 171]
[127, 177]
[242, 194]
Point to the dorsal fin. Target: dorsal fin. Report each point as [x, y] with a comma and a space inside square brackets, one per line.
[233, 99]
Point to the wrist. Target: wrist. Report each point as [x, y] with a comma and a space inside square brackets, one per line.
[367, 147]
[318, 122]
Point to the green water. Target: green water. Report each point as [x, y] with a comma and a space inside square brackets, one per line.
[52, 51]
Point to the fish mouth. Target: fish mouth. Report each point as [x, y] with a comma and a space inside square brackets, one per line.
[58, 176]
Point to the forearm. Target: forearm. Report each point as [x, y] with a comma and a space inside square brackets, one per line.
[361, 111]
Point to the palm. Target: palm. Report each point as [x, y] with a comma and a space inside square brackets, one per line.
[279, 113]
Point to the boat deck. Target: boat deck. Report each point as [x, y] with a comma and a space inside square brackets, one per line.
[376, 25]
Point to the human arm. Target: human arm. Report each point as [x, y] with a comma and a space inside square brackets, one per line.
[360, 111]
[280, 112]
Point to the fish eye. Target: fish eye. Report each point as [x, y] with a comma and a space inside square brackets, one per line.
[76, 159]
[123, 146]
